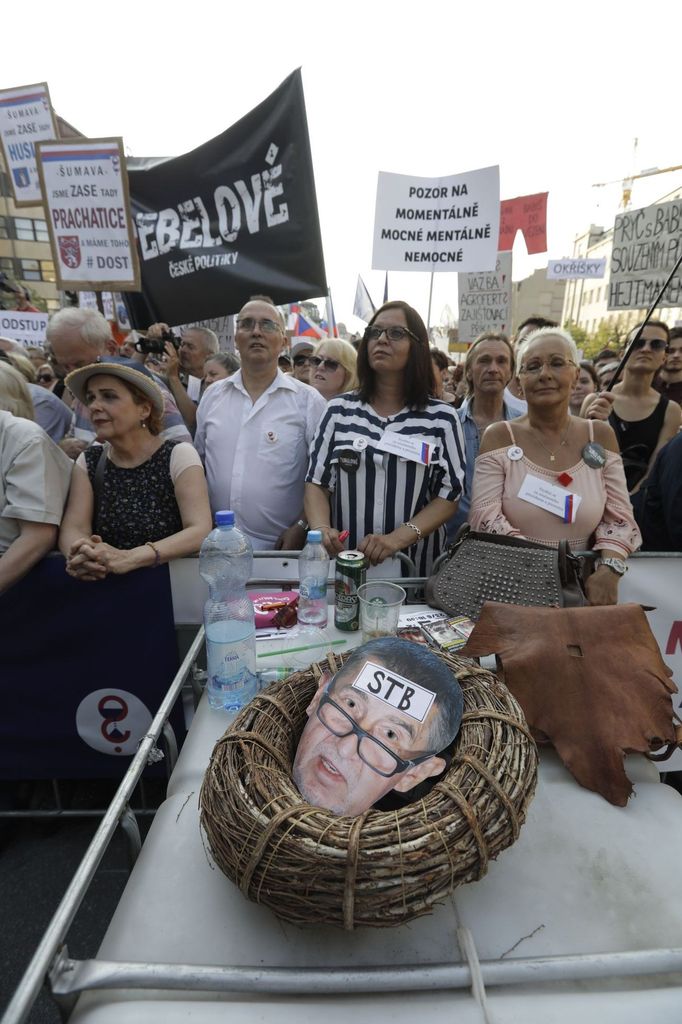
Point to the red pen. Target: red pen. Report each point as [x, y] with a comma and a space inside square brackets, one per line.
[344, 536]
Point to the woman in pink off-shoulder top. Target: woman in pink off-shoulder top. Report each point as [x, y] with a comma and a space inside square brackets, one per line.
[550, 476]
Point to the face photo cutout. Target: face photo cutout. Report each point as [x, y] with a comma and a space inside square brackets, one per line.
[378, 725]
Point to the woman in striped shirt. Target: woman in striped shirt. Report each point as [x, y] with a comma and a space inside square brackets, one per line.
[387, 461]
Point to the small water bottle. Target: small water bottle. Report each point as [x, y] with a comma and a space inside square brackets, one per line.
[225, 562]
[313, 571]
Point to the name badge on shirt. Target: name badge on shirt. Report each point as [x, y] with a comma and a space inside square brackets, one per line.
[414, 449]
[556, 500]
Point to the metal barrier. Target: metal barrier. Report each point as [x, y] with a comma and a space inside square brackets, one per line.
[70, 977]
[119, 809]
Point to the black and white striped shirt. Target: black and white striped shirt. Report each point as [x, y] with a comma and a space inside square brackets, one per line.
[374, 491]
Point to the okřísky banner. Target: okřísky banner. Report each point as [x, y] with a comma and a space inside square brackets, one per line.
[236, 216]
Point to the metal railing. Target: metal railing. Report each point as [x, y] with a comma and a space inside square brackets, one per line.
[119, 809]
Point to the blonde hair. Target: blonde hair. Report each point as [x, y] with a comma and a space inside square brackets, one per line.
[344, 353]
[14, 395]
[545, 332]
[24, 365]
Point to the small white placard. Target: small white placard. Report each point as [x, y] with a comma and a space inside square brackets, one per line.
[396, 691]
[24, 328]
[414, 449]
[570, 269]
[556, 500]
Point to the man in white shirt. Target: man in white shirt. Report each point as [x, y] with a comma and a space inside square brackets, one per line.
[253, 433]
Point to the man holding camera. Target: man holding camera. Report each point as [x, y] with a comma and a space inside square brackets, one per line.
[184, 365]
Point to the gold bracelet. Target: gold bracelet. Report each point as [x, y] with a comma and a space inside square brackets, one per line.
[157, 556]
[413, 526]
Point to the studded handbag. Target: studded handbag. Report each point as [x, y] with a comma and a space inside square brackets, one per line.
[492, 567]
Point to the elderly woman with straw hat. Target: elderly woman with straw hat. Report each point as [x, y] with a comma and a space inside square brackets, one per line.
[135, 499]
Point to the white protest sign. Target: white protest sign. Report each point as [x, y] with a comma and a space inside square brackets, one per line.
[569, 269]
[397, 691]
[448, 224]
[485, 300]
[646, 244]
[222, 327]
[24, 328]
[25, 118]
[85, 189]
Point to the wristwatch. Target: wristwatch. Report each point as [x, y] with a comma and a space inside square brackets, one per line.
[302, 523]
[616, 565]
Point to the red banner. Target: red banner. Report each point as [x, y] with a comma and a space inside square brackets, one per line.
[527, 214]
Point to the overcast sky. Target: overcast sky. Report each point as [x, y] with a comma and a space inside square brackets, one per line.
[553, 94]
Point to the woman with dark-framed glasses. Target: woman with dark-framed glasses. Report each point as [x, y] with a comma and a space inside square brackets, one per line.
[387, 461]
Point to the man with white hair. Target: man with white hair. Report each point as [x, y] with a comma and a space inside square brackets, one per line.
[79, 337]
[184, 368]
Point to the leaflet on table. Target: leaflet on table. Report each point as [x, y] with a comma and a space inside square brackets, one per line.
[275, 612]
[419, 618]
[551, 498]
[450, 634]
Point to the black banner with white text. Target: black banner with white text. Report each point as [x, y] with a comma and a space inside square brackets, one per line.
[236, 216]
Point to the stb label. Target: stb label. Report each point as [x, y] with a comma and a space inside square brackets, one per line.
[397, 691]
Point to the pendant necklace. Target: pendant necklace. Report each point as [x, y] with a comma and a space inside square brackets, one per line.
[553, 454]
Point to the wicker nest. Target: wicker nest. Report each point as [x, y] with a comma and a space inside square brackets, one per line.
[380, 868]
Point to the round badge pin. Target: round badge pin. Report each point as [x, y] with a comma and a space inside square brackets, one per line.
[594, 455]
[360, 443]
[514, 453]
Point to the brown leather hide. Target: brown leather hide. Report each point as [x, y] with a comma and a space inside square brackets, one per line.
[591, 679]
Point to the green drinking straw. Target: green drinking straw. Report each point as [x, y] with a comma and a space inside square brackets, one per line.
[306, 647]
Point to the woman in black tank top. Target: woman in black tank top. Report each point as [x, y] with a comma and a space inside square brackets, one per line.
[637, 440]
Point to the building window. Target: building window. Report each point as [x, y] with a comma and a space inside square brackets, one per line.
[4, 184]
[28, 230]
[47, 271]
[29, 270]
[7, 266]
[4, 231]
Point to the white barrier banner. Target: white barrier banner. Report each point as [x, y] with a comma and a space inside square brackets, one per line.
[24, 328]
[570, 269]
[445, 224]
[25, 118]
[656, 581]
[485, 300]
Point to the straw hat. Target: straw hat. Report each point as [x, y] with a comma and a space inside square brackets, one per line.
[77, 381]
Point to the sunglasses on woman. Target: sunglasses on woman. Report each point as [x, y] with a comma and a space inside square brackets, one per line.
[45, 378]
[326, 364]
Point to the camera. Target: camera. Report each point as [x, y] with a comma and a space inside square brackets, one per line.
[147, 346]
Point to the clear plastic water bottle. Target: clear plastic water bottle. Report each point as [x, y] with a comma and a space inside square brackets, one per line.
[313, 571]
[225, 562]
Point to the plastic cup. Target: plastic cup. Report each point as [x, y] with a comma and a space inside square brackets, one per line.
[380, 604]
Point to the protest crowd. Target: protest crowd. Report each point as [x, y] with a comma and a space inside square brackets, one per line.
[119, 455]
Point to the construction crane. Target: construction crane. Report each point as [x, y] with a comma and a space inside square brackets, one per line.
[627, 182]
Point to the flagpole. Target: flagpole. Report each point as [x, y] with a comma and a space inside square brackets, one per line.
[331, 322]
[428, 316]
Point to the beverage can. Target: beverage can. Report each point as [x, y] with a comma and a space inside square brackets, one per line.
[351, 572]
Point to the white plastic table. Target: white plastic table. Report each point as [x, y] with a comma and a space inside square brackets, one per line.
[584, 878]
